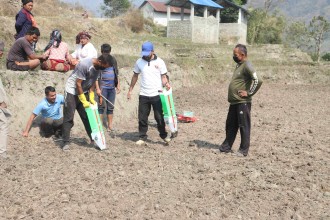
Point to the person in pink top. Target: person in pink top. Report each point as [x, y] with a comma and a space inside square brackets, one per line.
[57, 52]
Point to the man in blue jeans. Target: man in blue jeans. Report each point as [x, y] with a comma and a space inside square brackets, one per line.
[153, 77]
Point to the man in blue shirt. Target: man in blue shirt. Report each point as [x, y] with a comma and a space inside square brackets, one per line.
[51, 113]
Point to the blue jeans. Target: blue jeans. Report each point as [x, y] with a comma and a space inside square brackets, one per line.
[109, 94]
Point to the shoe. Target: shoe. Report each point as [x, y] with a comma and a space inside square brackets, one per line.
[238, 154]
[174, 134]
[57, 138]
[225, 151]
[66, 147]
[140, 142]
[93, 145]
[167, 140]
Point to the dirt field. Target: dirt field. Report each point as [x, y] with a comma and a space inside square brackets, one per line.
[286, 175]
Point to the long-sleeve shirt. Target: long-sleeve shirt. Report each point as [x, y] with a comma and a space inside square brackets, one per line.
[23, 24]
[244, 78]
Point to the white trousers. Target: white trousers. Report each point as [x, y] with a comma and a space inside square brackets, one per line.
[3, 132]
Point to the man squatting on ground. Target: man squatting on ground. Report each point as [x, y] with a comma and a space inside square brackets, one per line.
[51, 112]
[21, 57]
[244, 84]
[4, 114]
[153, 76]
[79, 94]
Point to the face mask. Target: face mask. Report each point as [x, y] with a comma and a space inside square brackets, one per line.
[235, 58]
[146, 58]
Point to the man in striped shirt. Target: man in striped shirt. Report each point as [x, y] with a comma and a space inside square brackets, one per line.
[244, 84]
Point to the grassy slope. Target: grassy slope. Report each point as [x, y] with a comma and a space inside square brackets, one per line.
[205, 63]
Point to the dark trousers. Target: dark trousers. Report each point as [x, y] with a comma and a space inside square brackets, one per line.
[145, 104]
[49, 126]
[72, 103]
[238, 117]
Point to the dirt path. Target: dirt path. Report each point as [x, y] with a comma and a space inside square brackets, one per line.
[286, 175]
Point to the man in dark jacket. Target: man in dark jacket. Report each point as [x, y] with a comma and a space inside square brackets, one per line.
[244, 84]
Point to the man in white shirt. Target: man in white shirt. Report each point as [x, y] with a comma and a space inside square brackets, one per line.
[153, 77]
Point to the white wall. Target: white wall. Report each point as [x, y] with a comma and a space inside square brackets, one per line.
[161, 18]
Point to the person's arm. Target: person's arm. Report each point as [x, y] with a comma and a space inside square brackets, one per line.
[81, 94]
[20, 20]
[115, 66]
[118, 86]
[28, 125]
[133, 82]
[165, 81]
[91, 93]
[98, 90]
[255, 85]
[34, 56]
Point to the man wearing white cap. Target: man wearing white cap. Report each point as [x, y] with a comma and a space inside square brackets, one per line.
[153, 77]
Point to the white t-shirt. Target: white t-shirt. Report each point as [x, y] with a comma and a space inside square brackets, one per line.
[88, 51]
[151, 81]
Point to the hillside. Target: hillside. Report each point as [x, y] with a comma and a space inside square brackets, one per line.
[298, 10]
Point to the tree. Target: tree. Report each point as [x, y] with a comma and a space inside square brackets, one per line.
[317, 28]
[113, 8]
[296, 35]
[230, 14]
[264, 28]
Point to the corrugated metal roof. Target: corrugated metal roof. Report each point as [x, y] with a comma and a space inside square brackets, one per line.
[161, 7]
[187, 3]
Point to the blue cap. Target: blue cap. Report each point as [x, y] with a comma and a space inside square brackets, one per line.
[147, 47]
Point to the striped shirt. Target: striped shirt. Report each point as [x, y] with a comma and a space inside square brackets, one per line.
[108, 78]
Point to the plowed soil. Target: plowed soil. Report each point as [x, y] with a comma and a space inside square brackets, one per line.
[285, 176]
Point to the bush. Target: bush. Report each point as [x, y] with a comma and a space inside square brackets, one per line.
[134, 20]
[326, 57]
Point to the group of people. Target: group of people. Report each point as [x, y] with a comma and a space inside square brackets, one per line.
[100, 74]
[56, 56]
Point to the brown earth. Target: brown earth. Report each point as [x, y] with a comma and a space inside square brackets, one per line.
[286, 175]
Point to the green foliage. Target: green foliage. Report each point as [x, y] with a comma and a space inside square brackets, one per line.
[296, 35]
[264, 28]
[114, 8]
[317, 29]
[230, 14]
[326, 57]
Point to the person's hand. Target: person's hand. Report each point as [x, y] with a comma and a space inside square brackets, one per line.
[25, 134]
[118, 90]
[98, 92]
[129, 94]
[92, 98]
[242, 93]
[3, 105]
[44, 57]
[83, 100]
[167, 85]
